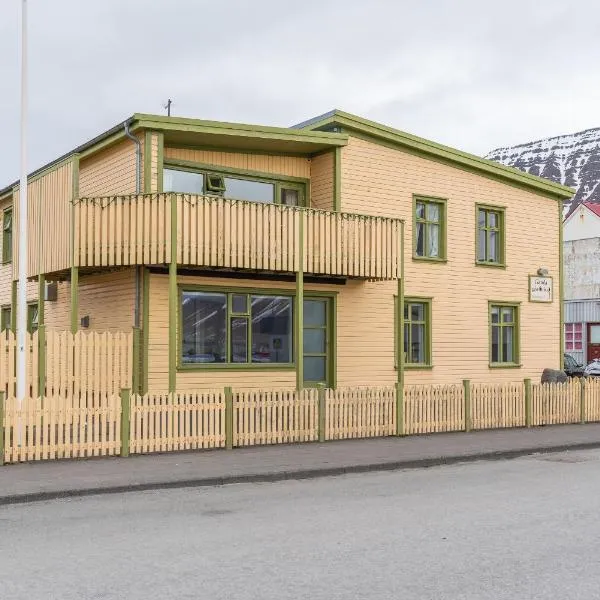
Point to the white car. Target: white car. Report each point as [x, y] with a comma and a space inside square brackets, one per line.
[592, 369]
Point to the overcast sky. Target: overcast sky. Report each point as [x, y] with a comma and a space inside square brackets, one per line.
[471, 74]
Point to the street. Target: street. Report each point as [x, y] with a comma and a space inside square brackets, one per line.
[516, 529]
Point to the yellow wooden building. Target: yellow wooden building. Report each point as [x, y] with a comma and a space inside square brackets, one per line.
[339, 251]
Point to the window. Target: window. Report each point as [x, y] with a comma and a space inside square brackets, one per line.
[32, 317]
[235, 328]
[5, 318]
[573, 337]
[235, 187]
[417, 332]
[7, 229]
[504, 334]
[429, 229]
[490, 236]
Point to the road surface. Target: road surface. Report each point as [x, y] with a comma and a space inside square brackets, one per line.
[520, 529]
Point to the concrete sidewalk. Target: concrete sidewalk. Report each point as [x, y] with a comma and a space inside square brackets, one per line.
[56, 479]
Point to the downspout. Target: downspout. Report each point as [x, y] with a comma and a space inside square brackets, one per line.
[138, 185]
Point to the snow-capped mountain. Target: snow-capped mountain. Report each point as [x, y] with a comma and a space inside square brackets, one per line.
[572, 160]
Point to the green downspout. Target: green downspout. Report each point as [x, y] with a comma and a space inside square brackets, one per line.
[561, 288]
[145, 331]
[300, 304]
[13, 308]
[173, 299]
[400, 344]
[41, 336]
[74, 269]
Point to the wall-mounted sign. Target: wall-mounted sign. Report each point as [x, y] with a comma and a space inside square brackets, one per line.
[540, 289]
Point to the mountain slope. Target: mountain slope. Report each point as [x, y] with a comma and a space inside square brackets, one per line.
[572, 160]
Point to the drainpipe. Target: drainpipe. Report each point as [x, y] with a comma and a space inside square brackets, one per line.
[138, 185]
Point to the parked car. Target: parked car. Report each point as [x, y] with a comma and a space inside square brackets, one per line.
[573, 368]
[592, 369]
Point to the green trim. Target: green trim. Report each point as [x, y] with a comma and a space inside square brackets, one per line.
[528, 407]
[160, 159]
[145, 331]
[42, 360]
[105, 143]
[74, 299]
[442, 203]
[401, 361]
[322, 414]
[6, 318]
[173, 298]
[501, 229]
[125, 419]
[286, 134]
[43, 172]
[7, 194]
[516, 324]
[333, 340]
[299, 306]
[337, 180]
[41, 299]
[7, 248]
[468, 411]
[225, 149]
[529, 278]
[13, 308]
[561, 290]
[228, 418]
[136, 370]
[148, 162]
[399, 139]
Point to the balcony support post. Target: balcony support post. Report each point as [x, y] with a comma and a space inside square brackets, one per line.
[400, 343]
[299, 308]
[337, 179]
[173, 298]
[74, 299]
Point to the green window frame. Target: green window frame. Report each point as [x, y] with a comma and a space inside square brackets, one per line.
[33, 315]
[286, 191]
[7, 235]
[429, 228]
[5, 318]
[235, 352]
[417, 326]
[504, 334]
[490, 235]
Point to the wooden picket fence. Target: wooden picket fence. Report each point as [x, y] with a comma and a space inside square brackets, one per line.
[85, 424]
[67, 363]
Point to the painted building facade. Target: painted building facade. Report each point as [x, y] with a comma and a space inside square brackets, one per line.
[582, 282]
[339, 252]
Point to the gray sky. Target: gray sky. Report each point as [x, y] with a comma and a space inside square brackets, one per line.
[472, 74]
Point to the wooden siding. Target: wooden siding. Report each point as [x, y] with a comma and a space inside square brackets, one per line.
[292, 166]
[107, 298]
[215, 232]
[110, 171]
[321, 181]
[380, 180]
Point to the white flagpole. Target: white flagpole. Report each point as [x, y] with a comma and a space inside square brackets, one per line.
[22, 272]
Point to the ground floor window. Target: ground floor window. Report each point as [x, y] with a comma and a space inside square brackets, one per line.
[5, 318]
[573, 337]
[504, 334]
[417, 331]
[236, 328]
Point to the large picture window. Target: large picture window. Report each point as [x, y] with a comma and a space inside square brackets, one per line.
[235, 328]
[429, 229]
[504, 334]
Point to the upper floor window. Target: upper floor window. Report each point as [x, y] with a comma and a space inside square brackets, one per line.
[490, 235]
[504, 334]
[7, 235]
[429, 228]
[5, 318]
[32, 317]
[573, 337]
[234, 187]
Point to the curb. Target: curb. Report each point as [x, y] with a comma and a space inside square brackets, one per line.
[273, 477]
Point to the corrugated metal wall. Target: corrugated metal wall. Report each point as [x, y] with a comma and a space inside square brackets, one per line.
[582, 311]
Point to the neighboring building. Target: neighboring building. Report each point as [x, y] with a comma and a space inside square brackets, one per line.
[277, 259]
[582, 282]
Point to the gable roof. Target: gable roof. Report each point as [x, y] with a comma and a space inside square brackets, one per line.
[337, 120]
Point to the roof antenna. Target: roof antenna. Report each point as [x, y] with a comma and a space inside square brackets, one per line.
[168, 107]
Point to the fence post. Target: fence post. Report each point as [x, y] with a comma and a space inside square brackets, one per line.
[42, 360]
[125, 414]
[582, 400]
[322, 412]
[399, 408]
[228, 418]
[468, 412]
[528, 403]
[1, 428]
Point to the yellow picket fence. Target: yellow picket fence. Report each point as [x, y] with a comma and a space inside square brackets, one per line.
[433, 408]
[494, 406]
[67, 363]
[62, 426]
[274, 417]
[170, 422]
[558, 403]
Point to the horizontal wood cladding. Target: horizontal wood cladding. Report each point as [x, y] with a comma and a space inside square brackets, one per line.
[321, 181]
[292, 166]
[381, 180]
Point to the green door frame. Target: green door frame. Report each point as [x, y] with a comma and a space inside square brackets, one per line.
[330, 345]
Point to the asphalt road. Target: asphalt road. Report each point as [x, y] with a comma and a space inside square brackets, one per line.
[519, 529]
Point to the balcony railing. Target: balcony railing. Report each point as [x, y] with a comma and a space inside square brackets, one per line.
[234, 234]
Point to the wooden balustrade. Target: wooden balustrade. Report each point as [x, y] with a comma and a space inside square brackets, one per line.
[221, 233]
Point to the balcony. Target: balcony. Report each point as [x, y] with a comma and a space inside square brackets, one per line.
[214, 232]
